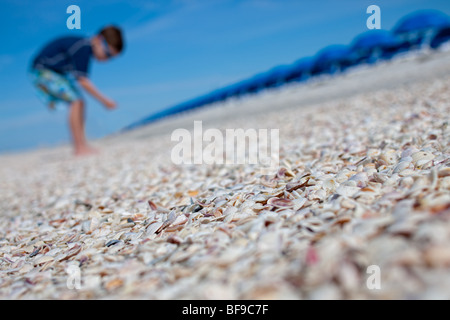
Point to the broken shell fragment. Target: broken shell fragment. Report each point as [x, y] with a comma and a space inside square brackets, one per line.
[281, 203]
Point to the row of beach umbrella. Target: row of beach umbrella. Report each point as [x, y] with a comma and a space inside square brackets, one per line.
[429, 28]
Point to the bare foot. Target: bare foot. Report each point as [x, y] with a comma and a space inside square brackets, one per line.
[85, 151]
[51, 105]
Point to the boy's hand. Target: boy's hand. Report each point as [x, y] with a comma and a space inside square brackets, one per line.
[110, 104]
[89, 87]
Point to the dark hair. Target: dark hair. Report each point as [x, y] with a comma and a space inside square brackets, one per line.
[113, 35]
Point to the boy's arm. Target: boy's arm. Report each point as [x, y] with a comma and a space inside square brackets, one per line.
[89, 87]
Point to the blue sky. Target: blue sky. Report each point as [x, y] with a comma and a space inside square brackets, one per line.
[175, 50]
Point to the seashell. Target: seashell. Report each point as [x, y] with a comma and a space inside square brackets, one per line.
[86, 226]
[43, 259]
[347, 203]
[298, 203]
[389, 156]
[281, 203]
[401, 166]
[112, 242]
[270, 183]
[437, 256]
[408, 152]
[378, 177]
[153, 227]
[230, 213]
[170, 219]
[422, 157]
[360, 178]
[406, 159]
[180, 220]
[406, 182]
[406, 172]
[174, 239]
[72, 252]
[347, 191]
[445, 172]
[320, 194]
[330, 184]
[327, 216]
[114, 284]
[372, 153]
[444, 183]
[26, 268]
[423, 164]
[370, 169]
[341, 177]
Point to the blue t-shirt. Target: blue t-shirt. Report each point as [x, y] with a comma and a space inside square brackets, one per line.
[66, 55]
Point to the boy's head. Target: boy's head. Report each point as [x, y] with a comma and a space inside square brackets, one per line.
[107, 43]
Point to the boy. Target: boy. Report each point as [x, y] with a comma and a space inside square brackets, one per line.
[63, 65]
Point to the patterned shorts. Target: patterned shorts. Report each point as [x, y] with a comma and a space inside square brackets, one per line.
[54, 87]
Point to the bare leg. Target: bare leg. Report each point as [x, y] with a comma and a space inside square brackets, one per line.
[76, 122]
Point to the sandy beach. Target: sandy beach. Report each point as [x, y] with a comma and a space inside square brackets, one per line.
[362, 191]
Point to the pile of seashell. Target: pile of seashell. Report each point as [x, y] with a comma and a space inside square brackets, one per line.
[362, 182]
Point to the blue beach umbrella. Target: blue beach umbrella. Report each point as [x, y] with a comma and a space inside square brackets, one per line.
[274, 76]
[419, 27]
[374, 44]
[238, 88]
[441, 37]
[374, 39]
[219, 94]
[233, 90]
[299, 70]
[422, 21]
[252, 85]
[261, 80]
[332, 58]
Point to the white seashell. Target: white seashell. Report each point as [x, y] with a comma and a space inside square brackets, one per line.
[401, 166]
[230, 213]
[406, 173]
[373, 153]
[406, 159]
[316, 195]
[298, 203]
[444, 183]
[379, 177]
[347, 191]
[152, 228]
[43, 259]
[330, 184]
[438, 256]
[360, 178]
[341, 177]
[407, 181]
[408, 152]
[280, 203]
[388, 156]
[327, 216]
[26, 268]
[86, 226]
[347, 203]
[422, 156]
